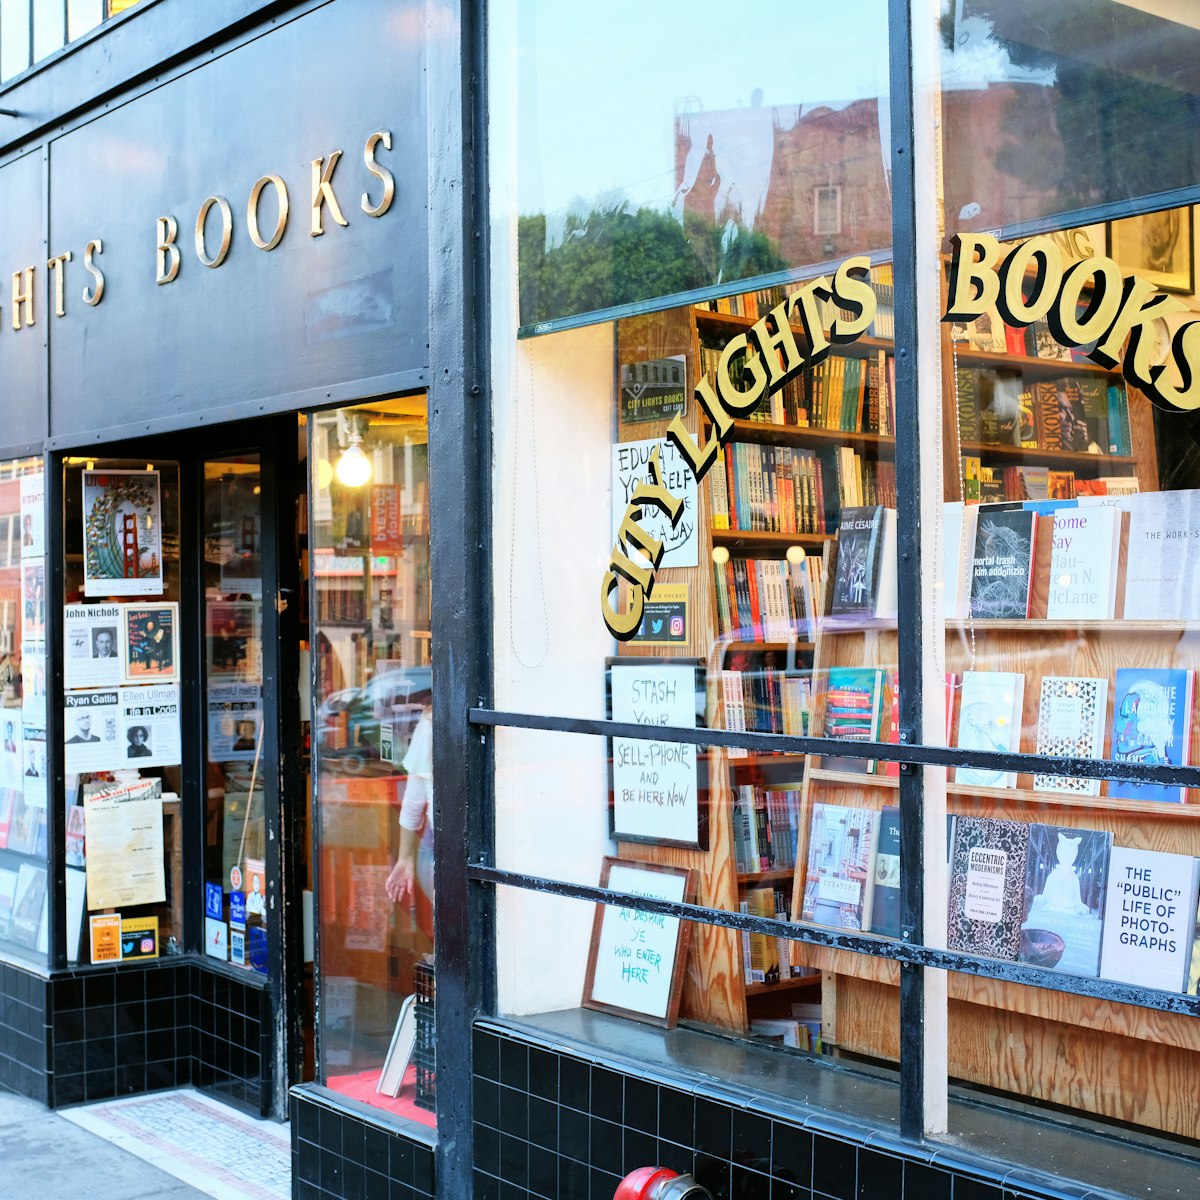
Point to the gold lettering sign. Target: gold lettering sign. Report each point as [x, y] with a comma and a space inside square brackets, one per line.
[222, 206]
[770, 356]
[1026, 282]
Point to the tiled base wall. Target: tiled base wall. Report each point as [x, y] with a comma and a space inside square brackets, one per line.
[105, 1032]
[337, 1155]
[554, 1126]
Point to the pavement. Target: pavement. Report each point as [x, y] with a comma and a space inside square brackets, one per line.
[44, 1157]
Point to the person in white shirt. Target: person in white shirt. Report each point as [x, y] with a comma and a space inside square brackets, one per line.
[414, 862]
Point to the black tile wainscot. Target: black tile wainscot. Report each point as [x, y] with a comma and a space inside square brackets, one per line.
[557, 1119]
[341, 1150]
[101, 1032]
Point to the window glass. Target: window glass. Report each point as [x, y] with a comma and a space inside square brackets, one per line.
[122, 729]
[14, 37]
[23, 775]
[1071, 516]
[373, 736]
[694, 507]
[83, 16]
[235, 830]
[49, 29]
[635, 182]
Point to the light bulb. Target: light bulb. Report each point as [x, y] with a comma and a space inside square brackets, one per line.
[354, 467]
[795, 555]
[720, 555]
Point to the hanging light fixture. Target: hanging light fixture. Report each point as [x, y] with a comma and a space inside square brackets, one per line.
[354, 467]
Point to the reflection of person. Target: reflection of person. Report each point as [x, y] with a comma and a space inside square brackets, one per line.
[32, 769]
[414, 862]
[83, 730]
[10, 744]
[138, 736]
[103, 644]
[256, 902]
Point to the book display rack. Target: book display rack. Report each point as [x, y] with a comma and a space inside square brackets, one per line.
[1070, 630]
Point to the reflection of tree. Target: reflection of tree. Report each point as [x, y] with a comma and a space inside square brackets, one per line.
[614, 256]
[1124, 115]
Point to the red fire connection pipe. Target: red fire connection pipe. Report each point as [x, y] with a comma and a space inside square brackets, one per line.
[659, 1183]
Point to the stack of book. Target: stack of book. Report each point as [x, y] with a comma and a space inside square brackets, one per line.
[765, 828]
[765, 599]
[774, 489]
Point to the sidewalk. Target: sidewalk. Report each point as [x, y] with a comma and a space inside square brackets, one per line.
[44, 1157]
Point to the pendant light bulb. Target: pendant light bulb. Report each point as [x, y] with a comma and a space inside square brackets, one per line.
[354, 467]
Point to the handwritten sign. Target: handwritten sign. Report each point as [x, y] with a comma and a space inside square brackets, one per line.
[631, 466]
[655, 783]
[637, 958]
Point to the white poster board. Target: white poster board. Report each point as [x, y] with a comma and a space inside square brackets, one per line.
[656, 792]
[92, 645]
[630, 466]
[637, 958]
[33, 522]
[124, 831]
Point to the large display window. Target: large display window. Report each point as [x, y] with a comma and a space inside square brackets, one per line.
[24, 803]
[753, 510]
[372, 751]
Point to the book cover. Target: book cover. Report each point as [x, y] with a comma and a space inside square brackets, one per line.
[853, 711]
[987, 887]
[75, 836]
[29, 906]
[1072, 416]
[865, 580]
[989, 719]
[1162, 575]
[841, 851]
[1149, 918]
[885, 906]
[1047, 416]
[1066, 877]
[1071, 714]
[998, 394]
[1002, 578]
[1193, 979]
[1084, 558]
[958, 556]
[1152, 723]
[8, 894]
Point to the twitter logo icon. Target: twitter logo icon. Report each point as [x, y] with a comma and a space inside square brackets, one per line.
[656, 626]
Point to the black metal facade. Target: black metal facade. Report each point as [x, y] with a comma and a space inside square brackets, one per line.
[203, 100]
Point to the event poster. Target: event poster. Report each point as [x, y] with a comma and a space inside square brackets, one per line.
[234, 650]
[33, 519]
[149, 642]
[124, 832]
[33, 754]
[234, 721]
[237, 547]
[91, 731]
[12, 760]
[33, 593]
[122, 533]
[92, 641]
[150, 726]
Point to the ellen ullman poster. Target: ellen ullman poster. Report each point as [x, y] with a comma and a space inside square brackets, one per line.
[122, 526]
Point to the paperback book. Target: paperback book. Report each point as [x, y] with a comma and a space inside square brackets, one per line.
[864, 582]
[1083, 564]
[841, 854]
[854, 711]
[1162, 574]
[1066, 876]
[1071, 714]
[987, 887]
[1152, 723]
[989, 719]
[1149, 918]
[1005, 541]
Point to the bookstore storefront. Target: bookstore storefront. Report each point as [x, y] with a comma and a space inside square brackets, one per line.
[844, 433]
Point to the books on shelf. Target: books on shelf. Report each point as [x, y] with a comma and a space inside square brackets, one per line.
[1002, 573]
[1084, 556]
[987, 887]
[1071, 714]
[763, 963]
[1152, 723]
[841, 849]
[765, 828]
[772, 489]
[864, 584]
[759, 695]
[885, 904]
[1066, 875]
[857, 708]
[989, 718]
[762, 599]
[1149, 921]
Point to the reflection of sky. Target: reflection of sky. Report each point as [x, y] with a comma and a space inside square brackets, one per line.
[601, 85]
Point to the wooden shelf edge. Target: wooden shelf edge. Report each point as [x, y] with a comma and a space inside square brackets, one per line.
[763, 989]
[1028, 362]
[766, 431]
[1117, 626]
[1188, 812]
[736, 538]
[1037, 454]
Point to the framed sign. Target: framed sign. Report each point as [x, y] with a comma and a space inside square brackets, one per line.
[1158, 247]
[659, 789]
[636, 961]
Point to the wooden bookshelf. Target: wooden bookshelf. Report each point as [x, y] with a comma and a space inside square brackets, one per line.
[1049, 458]
[809, 435]
[749, 539]
[1029, 366]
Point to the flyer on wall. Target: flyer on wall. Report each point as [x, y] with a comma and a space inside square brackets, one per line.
[92, 641]
[149, 634]
[122, 533]
[234, 721]
[33, 522]
[33, 591]
[33, 753]
[92, 732]
[12, 760]
[150, 726]
[124, 832]
[33, 678]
